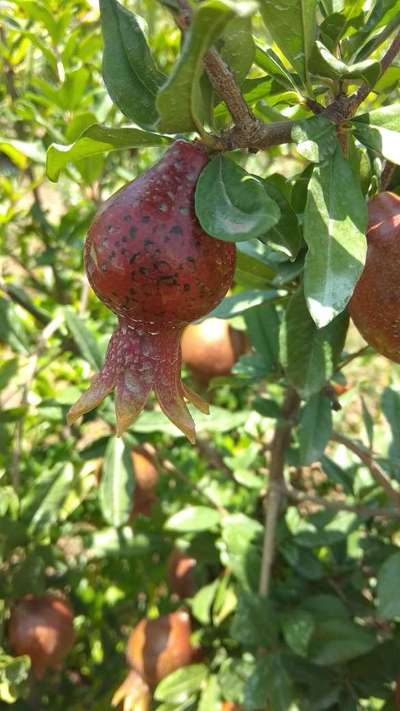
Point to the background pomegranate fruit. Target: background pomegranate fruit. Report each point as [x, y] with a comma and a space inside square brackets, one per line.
[180, 574]
[146, 480]
[230, 706]
[211, 348]
[375, 304]
[42, 628]
[148, 259]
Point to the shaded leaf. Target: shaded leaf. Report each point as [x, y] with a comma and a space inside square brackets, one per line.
[380, 131]
[315, 427]
[315, 138]
[336, 641]
[270, 684]
[231, 204]
[388, 587]
[298, 627]
[194, 518]
[117, 483]
[84, 339]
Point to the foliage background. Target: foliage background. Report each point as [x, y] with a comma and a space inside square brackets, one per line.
[330, 624]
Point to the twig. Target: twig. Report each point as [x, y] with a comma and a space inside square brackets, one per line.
[165, 464]
[364, 511]
[376, 470]
[37, 314]
[387, 174]
[276, 486]
[361, 351]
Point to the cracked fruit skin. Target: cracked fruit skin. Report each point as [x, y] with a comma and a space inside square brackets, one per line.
[149, 260]
[41, 627]
[375, 304]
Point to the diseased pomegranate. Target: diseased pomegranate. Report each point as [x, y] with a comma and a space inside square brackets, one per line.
[375, 304]
[148, 259]
[211, 348]
[180, 574]
[146, 480]
[41, 627]
[155, 649]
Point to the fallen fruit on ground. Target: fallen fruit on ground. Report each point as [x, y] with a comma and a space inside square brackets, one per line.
[148, 259]
[155, 649]
[375, 304]
[211, 348]
[180, 574]
[41, 627]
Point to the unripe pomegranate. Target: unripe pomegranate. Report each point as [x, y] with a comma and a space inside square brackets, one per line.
[211, 348]
[180, 574]
[148, 259]
[42, 628]
[375, 304]
[146, 479]
[158, 647]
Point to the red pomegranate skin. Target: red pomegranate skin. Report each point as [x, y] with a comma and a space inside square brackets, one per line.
[158, 647]
[180, 574]
[42, 628]
[375, 304]
[148, 259]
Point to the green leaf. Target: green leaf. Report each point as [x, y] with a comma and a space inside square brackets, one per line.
[209, 695]
[388, 587]
[239, 303]
[181, 684]
[309, 354]
[22, 152]
[316, 138]
[298, 627]
[14, 677]
[117, 483]
[324, 63]
[7, 371]
[83, 339]
[262, 324]
[231, 204]
[194, 518]
[335, 223]
[380, 131]
[390, 403]
[368, 422]
[270, 683]
[46, 499]
[251, 271]
[97, 140]
[255, 622]
[241, 553]
[202, 602]
[129, 72]
[315, 427]
[286, 233]
[236, 47]
[336, 641]
[219, 420]
[180, 100]
[292, 25]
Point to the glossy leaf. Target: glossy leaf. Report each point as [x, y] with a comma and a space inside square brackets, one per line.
[324, 63]
[315, 427]
[335, 223]
[388, 587]
[255, 622]
[97, 140]
[380, 131]
[231, 204]
[241, 554]
[298, 627]
[270, 683]
[236, 47]
[309, 354]
[117, 483]
[292, 25]
[129, 71]
[263, 329]
[336, 641]
[201, 603]
[180, 101]
[194, 518]
[315, 138]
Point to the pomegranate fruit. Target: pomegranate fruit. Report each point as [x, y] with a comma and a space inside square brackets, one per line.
[155, 649]
[211, 348]
[230, 706]
[180, 574]
[41, 627]
[146, 480]
[375, 304]
[148, 259]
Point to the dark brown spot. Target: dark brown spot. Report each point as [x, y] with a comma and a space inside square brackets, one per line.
[127, 218]
[133, 257]
[143, 270]
[186, 287]
[132, 232]
[176, 230]
[145, 218]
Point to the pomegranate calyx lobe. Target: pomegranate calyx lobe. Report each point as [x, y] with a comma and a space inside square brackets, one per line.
[148, 259]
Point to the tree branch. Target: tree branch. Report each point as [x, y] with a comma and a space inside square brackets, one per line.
[376, 470]
[276, 486]
[364, 511]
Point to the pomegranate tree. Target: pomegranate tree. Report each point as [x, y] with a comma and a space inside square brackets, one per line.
[148, 259]
[375, 304]
[41, 627]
